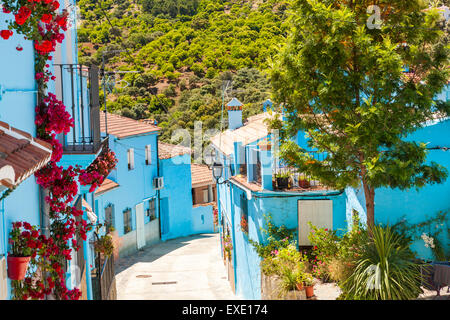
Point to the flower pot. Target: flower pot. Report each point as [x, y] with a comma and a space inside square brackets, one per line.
[309, 290]
[17, 267]
[282, 183]
[304, 184]
[299, 286]
[265, 147]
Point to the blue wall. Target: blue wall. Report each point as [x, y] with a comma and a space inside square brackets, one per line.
[176, 197]
[136, 186]
[283, 207]
[202, 219]
[392, 205]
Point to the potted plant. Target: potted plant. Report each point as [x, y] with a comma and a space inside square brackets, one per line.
[299, 281]
[227, 247]
[23, 239]
[308, 283]
[282, 180]
[104, 245]
[304, 183]
[244, 224]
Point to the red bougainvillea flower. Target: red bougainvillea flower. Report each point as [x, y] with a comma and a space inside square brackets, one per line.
[22, 16]
[19, 48]
[55, 5]
[46, 18]
[5, 34]
[5, 10]
[45, 47]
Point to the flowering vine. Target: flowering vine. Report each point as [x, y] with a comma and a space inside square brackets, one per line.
[42, 22]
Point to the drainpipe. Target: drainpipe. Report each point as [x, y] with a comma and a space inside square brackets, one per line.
[158, 191]
[233, 237]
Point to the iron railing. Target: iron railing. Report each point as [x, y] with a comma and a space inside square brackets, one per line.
[257, 168]
[77, 86]
[298, 179]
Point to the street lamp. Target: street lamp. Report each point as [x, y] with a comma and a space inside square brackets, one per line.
[217, 170]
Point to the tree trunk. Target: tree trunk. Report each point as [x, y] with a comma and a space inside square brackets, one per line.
[369, 194]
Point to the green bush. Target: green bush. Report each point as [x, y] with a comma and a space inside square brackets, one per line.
[385, 270]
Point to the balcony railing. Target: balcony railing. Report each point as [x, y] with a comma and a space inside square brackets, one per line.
[77, 86]
[297, 179]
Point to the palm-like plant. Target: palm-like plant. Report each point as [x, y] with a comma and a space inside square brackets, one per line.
[386, 270]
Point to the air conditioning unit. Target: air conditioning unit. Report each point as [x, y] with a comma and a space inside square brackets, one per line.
[158, 183]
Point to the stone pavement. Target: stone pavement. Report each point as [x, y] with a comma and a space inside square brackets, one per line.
[188, 268]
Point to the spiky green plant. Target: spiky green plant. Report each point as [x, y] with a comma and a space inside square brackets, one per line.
[386, 270]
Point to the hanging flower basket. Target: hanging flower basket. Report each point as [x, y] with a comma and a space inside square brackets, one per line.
[17, 267]
[23, 239]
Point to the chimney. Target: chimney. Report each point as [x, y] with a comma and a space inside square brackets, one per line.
[267, 105]
[234, 108]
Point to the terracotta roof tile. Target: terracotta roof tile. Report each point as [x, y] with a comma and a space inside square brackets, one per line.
[167, 151]
[201, 175]
[123, 127]
[20, 155]
[106, 186]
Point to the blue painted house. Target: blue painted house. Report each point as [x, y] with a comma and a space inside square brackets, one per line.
[251, 186]
[148, 197]
[248, 190]
[77, 87]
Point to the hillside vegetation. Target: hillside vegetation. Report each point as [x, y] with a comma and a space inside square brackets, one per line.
[183, 51]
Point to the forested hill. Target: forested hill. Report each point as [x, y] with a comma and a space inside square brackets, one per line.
[183, 49]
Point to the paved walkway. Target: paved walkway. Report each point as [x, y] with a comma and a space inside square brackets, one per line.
[187, 268]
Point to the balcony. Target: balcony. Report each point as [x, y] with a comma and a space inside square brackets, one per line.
[291, 179]
[77, 86]
[258, 169]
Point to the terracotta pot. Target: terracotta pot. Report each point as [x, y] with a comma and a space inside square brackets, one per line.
[17, 267]
[304, 184]
[309, 290]
[299, 286]
[265, 147]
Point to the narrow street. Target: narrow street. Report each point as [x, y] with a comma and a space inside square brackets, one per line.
[188, 268]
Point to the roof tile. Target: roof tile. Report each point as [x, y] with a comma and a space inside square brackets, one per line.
[167, 151]
[201, 175]
[21, 152]
[123, 127]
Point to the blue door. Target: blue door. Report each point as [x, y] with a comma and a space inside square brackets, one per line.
[164, 216]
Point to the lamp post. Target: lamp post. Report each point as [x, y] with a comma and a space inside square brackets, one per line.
[217, 171]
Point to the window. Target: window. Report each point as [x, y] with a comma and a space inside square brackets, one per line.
[148, 154]
[151, 211]
[205, 196]
[130, 159]
[244, 213]
[109, 218]
[127, 226]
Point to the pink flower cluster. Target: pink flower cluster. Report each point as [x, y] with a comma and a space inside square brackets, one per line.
[52, 115]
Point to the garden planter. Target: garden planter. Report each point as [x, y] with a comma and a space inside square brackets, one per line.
[304, 184]
[299, 286]
[17, 267]
[265, 147]
[309, 290]
[282, 183]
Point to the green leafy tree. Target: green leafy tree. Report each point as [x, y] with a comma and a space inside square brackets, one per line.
[342, 81]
